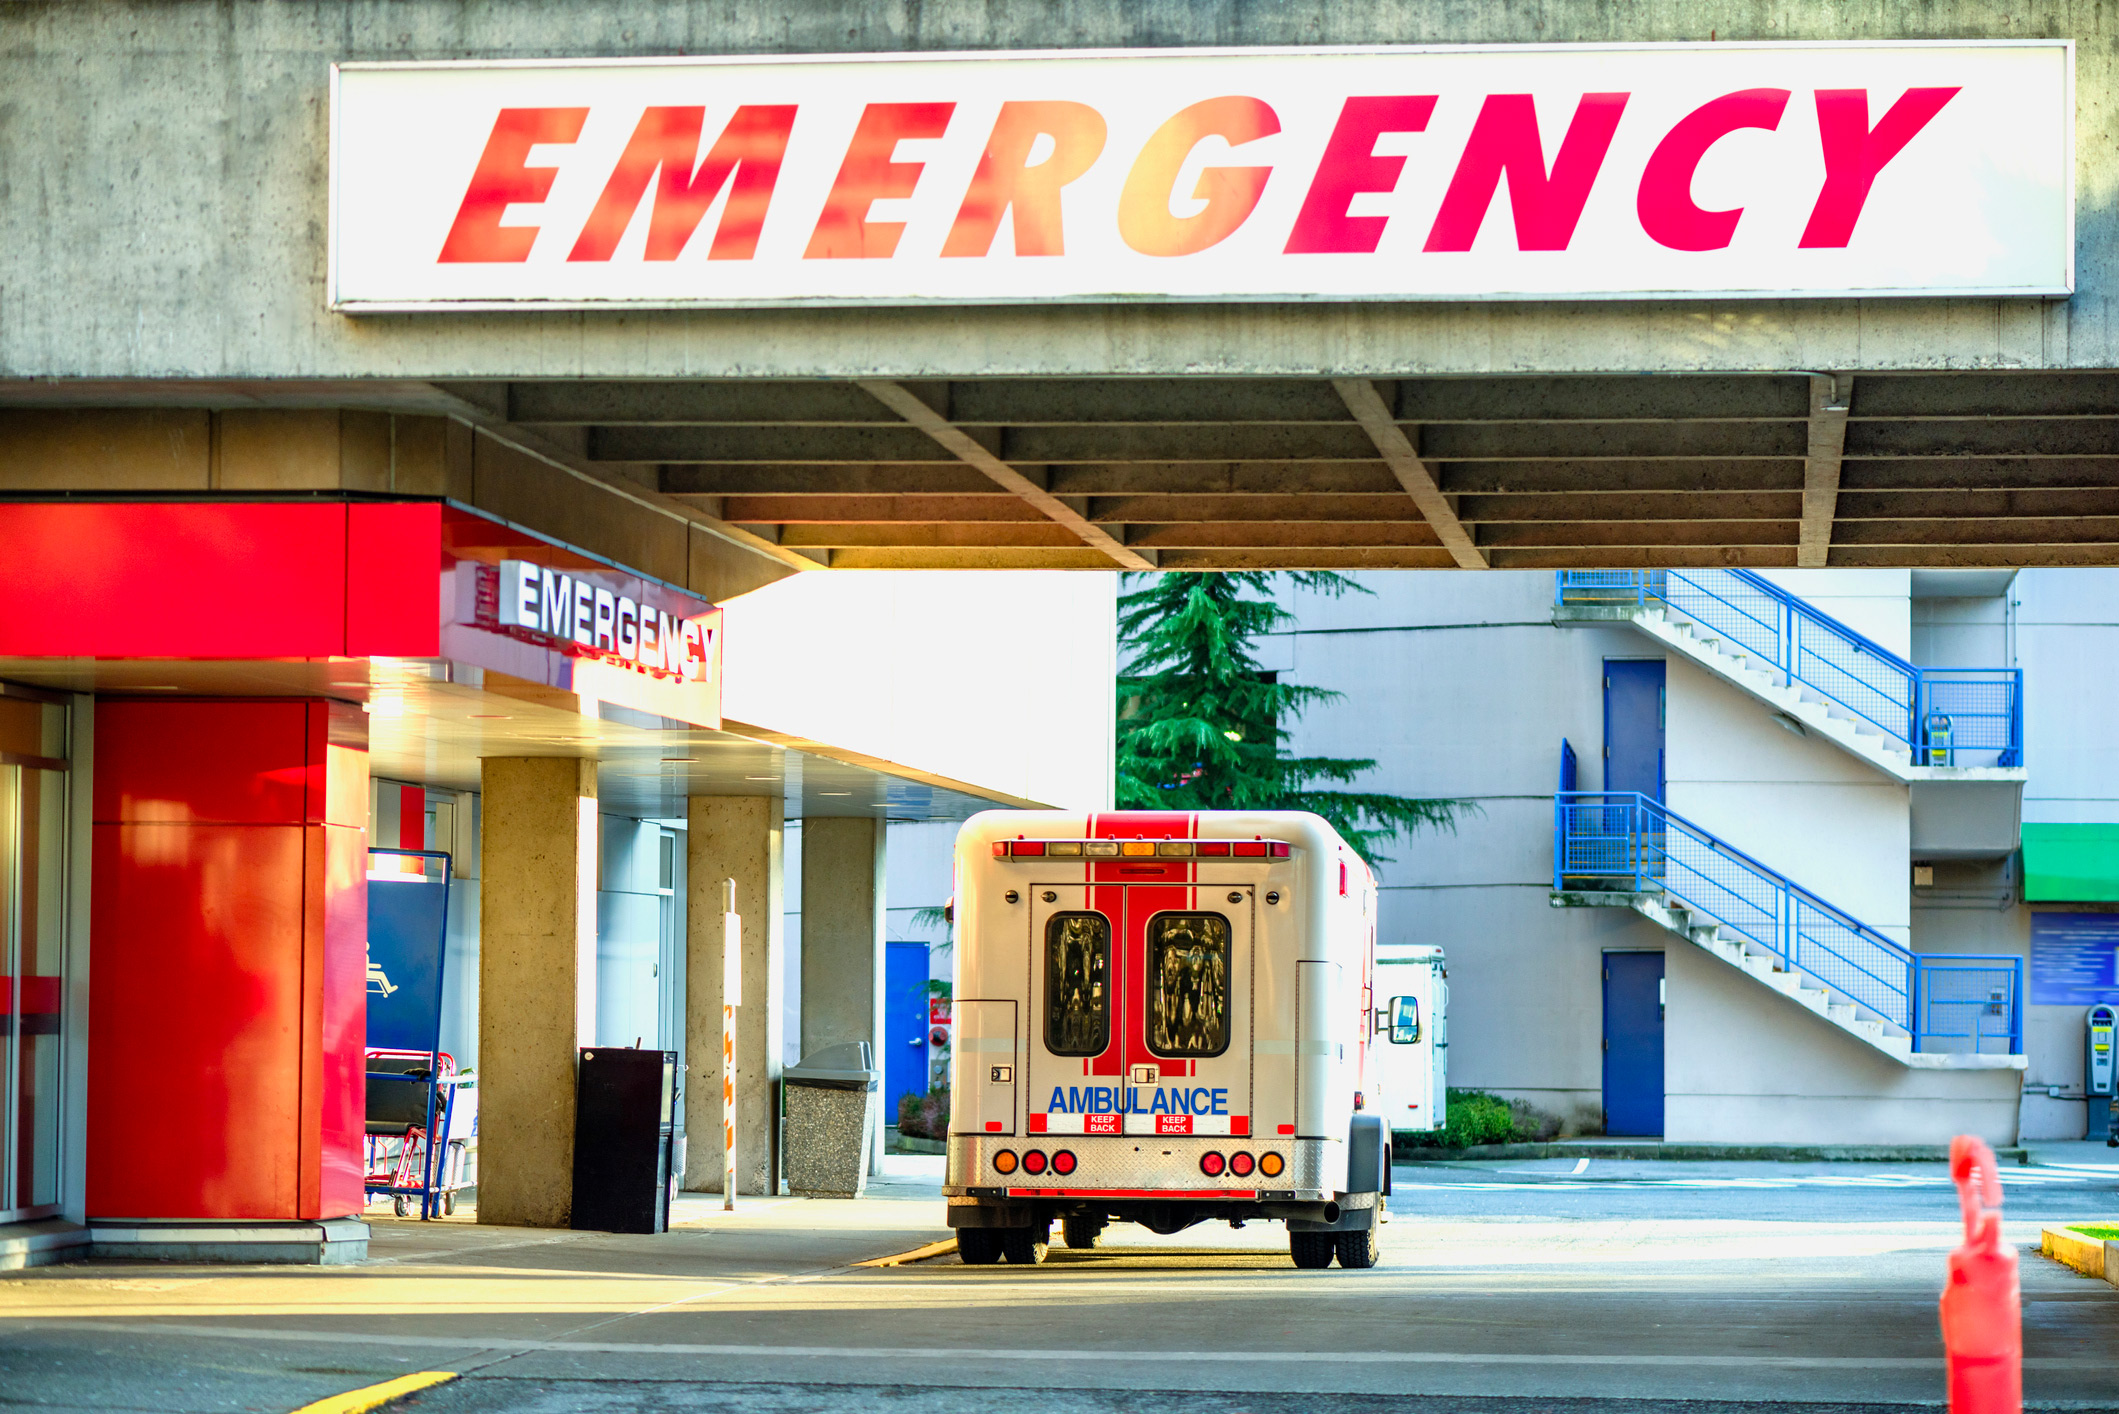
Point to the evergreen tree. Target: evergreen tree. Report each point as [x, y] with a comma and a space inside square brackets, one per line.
[1202, 727]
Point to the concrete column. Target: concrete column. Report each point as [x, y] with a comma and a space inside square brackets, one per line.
[842, 937]
[733, 837]
[536, 983]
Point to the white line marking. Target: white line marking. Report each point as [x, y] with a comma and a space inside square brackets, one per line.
[1581, 1165]
[1100, 1354]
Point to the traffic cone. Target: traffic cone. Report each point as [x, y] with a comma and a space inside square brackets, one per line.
[1982, 1312]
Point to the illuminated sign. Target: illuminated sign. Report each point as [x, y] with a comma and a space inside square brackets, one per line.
[1465, 172]
[582, 618]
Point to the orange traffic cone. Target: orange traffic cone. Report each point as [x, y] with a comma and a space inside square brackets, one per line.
[1982, 1312]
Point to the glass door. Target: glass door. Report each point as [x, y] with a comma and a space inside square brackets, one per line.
[32, 934]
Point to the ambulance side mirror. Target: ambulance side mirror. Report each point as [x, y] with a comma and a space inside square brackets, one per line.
[1405, 1021]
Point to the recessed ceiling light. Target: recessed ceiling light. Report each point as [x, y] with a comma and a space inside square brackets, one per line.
[834, 792]
[759, 778]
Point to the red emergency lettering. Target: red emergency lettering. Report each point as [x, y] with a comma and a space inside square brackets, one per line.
[1351, 167]
[1667, 210]
[749, 150]
[1855, 153]
[1231, 194]
[1007, 178]
[868, 175]
[502, 178]
[1504, 139]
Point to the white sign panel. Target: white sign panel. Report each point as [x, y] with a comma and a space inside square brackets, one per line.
[1464, 173]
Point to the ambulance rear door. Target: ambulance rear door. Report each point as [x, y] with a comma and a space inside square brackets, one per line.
[1187, 993]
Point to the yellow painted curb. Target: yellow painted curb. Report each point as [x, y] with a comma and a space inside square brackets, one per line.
[2072, 1249]
[359, 1401]
[917, 1254]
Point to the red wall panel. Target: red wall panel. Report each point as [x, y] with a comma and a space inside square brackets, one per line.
[228, 937]
[219, 579]
[185, 580]
[393, 580]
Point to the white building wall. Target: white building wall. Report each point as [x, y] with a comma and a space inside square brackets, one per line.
[1461, 686]
[1797, 804]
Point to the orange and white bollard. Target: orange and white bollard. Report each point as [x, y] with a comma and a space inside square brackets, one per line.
[1982, 1310]
[731, 998]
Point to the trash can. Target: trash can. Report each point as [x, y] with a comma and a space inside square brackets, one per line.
[624, 1124]
[831, 1100]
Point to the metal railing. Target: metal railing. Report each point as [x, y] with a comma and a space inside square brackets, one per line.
[1624, 840]
[1968, 1002]
[1943, 715]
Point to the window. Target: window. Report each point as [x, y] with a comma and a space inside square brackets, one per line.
[1405, 1021]
[1078, 984]
[1188, 984]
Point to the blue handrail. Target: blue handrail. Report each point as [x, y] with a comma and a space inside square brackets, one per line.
[1603, 839]
[1940, 714]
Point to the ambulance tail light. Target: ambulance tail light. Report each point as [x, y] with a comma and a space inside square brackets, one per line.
[1004, 1161]
[1271, 1164]
[1063, 1162]
[1033, 1161]
[1211, 1164]
[1241, 1164]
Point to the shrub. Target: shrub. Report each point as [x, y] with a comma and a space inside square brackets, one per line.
[1475, 1117]
[925, 1116]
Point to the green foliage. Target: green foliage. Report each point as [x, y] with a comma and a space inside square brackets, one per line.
[1202, 727]
[925, 1116]
[1481, 1117]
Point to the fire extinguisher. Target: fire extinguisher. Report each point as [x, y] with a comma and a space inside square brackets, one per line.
[1982, 1309]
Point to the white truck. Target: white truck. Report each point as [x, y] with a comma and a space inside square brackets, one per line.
[1167, 1018]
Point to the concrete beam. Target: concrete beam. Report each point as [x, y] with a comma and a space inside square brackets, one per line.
[536, 982]
[1415, 475]
[740, 838]
[901, 401]
[1830, 395]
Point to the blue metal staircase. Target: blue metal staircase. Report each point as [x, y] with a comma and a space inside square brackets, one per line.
[1921, 1009]
[1913, 723]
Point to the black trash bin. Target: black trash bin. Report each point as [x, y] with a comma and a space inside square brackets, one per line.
[624, 1119]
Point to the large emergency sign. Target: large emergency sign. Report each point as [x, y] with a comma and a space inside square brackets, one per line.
[1587, 171]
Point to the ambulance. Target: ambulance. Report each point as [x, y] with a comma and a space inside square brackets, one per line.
[1166, 1019]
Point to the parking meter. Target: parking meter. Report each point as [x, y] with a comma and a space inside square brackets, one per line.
[2097, 1069]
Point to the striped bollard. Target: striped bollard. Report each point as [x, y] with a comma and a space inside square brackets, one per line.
[731, 998]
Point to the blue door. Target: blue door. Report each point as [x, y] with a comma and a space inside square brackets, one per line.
[904, 1025]
[1633, 726]
[1633, 1043]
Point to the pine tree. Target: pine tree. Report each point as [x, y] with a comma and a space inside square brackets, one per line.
[1202, 727]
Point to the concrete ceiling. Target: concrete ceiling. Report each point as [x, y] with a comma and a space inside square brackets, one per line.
[1517, 472]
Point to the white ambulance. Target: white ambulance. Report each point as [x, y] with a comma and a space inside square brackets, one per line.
[1165, 1019]
[1412, 989]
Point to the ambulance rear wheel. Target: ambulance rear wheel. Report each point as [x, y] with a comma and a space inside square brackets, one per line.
[1081, 1233]
[1360, 1248]
[978, 1246]
[1312, 1249]
[1025, 1246]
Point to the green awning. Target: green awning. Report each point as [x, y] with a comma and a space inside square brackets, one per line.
[2071, 863]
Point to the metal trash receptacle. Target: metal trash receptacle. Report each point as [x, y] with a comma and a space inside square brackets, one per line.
[830, 1100]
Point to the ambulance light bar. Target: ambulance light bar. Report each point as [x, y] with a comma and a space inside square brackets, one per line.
[1141, 849]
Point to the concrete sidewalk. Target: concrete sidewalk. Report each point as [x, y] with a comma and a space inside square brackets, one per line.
[442, 1295]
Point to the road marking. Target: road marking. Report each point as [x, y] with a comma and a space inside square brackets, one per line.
[917, 1254]
[1098, 1355]
[359, 1401]
[1581, 1165]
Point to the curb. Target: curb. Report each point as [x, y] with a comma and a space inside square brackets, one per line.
[1649, 1149]
[2087, 1255]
